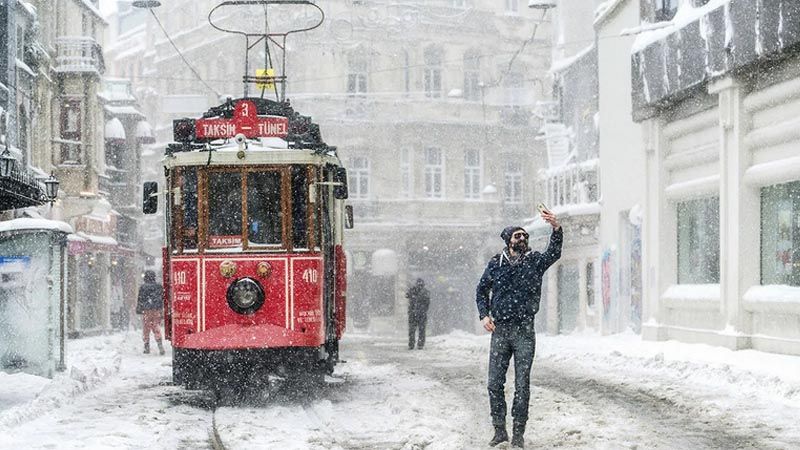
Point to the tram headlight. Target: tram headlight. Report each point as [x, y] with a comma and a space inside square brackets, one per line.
[245, 296]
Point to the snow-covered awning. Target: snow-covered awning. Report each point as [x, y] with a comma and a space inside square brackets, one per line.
[144, 132]
[115, 130]
[34, 224]
[123, 110]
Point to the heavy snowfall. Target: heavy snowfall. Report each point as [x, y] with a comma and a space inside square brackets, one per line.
[588, 392]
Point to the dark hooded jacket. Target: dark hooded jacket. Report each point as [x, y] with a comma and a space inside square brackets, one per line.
[511, 292]
[150, 294]
[419, 300]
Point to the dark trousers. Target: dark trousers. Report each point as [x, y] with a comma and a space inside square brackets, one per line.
[519, 341]
[416, 322]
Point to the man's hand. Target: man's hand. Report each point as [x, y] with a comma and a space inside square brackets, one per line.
[550, 218]
[488, 324]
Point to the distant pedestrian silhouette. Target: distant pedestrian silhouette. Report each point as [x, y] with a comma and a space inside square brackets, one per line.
[418, 302]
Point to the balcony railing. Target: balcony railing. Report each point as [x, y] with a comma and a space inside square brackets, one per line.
[571, 184]
[79, 54]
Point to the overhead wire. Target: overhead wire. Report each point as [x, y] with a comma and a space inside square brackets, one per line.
[185, 61]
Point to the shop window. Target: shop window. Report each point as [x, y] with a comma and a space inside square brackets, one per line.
[698, 241]
[780, 234]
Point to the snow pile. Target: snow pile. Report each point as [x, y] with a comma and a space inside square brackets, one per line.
[90, 362]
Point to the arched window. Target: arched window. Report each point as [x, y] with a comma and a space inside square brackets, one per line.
[472, 76]
[433, 72]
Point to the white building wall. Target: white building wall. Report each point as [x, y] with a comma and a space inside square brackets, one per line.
[622, 162]
[744, 142]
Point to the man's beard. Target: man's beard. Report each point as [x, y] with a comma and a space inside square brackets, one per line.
[520, 246]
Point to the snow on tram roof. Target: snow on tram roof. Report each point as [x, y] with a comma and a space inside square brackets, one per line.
[258, 152]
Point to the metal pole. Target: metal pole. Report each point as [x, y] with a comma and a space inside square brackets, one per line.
[63, 306]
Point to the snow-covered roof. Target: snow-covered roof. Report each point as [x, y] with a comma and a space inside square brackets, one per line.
[686, 14]
[102, 240]
[563, 64]
[34, 224]
[605, 9]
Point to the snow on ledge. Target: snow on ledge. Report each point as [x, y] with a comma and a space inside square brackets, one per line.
[692, 292]
[34, 224]
[560, 65]
[778, 293]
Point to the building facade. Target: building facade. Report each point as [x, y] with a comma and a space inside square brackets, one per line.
[431, 106]
[569, 182]
[721, 224]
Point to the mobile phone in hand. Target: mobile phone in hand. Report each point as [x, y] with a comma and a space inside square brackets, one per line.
[542, 208]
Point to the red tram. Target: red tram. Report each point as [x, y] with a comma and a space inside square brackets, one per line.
[253, 263]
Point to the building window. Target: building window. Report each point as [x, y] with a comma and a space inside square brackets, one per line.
[512, 6]
[698, 241]
[472, 76]
[590, 284]
[357, 75]
[512, 88]
[71, 131]
[433, 72]
[513, 182]
[780, 234]
[407, 72]
[434, 172]
[406, 173]
[358, 177]
[472, 174]
[459, 3]
[665, 9]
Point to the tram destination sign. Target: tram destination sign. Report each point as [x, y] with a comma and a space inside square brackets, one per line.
[246, 121]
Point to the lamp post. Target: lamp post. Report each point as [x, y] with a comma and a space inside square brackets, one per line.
[51, 188]
[6, 163]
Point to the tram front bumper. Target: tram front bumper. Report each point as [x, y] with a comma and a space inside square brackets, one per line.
[236, 336]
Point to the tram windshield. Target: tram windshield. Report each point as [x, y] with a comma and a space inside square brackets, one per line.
[256, 209]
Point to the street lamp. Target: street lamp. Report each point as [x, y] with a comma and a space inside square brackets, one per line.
[51, 187]
[542, 4]
[6, 163]
[146, 3]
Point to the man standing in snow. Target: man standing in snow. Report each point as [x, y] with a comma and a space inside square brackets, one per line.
[508, 298]
[150, 304]
[418, 302]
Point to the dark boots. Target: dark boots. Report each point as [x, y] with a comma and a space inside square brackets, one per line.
[147, 347]
[160, 347]
[500, 435]
[516, 437]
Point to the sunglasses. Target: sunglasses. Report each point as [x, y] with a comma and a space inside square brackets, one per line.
[520, 235]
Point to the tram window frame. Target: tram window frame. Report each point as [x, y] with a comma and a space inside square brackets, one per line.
[209, 207]
[288, 241]
[182, 239]
[248, 209]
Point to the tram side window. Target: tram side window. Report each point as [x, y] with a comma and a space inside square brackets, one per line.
[300, 207]
[189, 203]
[264, 213]
[224, 209]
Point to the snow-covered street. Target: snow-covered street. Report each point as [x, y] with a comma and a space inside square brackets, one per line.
[589, 392]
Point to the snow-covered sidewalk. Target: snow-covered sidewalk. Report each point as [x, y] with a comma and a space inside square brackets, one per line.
[588, 392]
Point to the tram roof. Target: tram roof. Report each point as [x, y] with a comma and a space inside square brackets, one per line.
[256, 154]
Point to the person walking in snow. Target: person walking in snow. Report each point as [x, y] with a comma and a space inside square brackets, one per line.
[508, 297]
[418, 302]
[150, 304]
